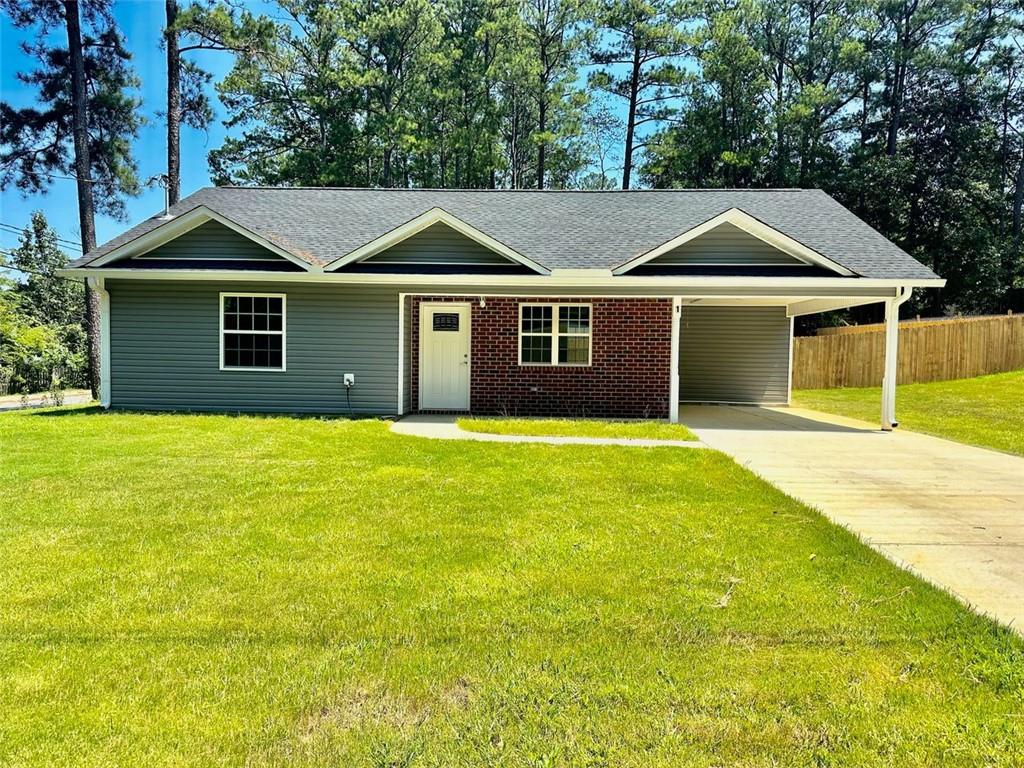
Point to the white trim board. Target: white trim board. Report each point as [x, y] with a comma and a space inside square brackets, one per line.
[673, 386]
[178, 226]
[750, 225]
[420, 223]
[668, 285]
[401, 353]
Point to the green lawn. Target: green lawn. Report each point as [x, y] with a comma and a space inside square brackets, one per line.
[653, 430]
[986, 411]
[210, 590]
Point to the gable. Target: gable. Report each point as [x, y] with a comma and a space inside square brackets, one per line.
[438, 244]
[212, 244]
[726, 244]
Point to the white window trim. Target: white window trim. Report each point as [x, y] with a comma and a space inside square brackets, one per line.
[555, 335]
[283, 333]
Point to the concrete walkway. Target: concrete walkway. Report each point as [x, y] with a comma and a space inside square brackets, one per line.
[445, 428]
[950, 512]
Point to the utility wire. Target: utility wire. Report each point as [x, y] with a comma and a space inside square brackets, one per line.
[56, 176]
[19, 230]
[15, 230]
[5, 265]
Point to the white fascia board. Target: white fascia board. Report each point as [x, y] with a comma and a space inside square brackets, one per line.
[815, 306]
[751, 226]
[421, 222]
[178, 226]
[529, 282]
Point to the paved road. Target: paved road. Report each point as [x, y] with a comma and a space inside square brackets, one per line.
[950, 512]
[11, 403]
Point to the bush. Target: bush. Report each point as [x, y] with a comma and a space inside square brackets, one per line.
[38, 358]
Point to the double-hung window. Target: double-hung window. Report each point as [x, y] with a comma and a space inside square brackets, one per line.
[252, 335]
[554, 334]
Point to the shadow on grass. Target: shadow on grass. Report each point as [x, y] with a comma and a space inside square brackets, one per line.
[51, 411]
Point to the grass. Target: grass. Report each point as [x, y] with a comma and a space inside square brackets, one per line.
[213, 590]
[652, 430]
[986, 411]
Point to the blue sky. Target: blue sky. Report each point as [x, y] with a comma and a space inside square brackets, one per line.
[141, 22]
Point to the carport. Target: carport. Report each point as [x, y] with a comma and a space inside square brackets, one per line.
[739, 351]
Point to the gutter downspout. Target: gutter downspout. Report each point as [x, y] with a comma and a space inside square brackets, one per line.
[892, 331]
[97, 284]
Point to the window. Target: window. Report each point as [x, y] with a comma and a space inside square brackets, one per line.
[446, 321]
[554, 334]
[252, 333]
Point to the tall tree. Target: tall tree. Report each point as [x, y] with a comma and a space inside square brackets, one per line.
[42, 341]
[45, 298]
[556, 34]
[396, 41]
[202, 26]
[87, 125]
[722, 137]
[173, 103]
[642, 40]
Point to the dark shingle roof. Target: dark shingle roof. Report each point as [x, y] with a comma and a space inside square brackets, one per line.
[556, 229]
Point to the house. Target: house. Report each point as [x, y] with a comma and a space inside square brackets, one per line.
[371, 301]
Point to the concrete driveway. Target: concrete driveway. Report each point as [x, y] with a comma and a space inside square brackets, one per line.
[952, 513]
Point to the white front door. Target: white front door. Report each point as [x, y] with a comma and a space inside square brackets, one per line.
[444, 357]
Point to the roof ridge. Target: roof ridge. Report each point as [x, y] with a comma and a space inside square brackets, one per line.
[523, 191]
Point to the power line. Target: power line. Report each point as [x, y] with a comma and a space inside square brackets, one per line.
[57, 176]
[5, 265]
[16, 230]
[19, 230]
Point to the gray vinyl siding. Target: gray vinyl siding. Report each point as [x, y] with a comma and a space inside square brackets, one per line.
[211, 241]
[726, 244]
[734, 355]
[438, 244]
[165, 349]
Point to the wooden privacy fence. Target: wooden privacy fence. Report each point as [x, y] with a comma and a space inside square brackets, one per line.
[930, 350]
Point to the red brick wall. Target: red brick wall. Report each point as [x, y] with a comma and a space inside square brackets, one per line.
[630, 361]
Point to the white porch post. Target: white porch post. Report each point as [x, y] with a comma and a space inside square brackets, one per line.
[97, 284]
[673, 388]
[892, 341]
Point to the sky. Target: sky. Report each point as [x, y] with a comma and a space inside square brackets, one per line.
[141, 22]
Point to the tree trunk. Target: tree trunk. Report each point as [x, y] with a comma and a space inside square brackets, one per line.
[893, 133]
[1018, 203]
[780, 134]
[86, 217]
[386, 168]
[173, 105]
[542, 125]
[634, 87]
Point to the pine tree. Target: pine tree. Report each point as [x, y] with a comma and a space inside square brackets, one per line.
[87, 124]
[45, 298]
[642, 40]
